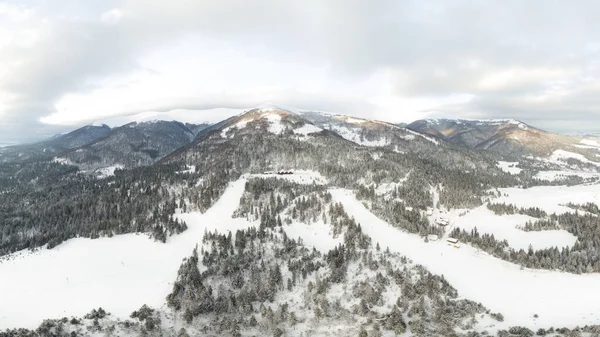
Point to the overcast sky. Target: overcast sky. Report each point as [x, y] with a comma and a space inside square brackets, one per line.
[65, 63]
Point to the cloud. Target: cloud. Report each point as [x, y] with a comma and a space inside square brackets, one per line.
[70, 62]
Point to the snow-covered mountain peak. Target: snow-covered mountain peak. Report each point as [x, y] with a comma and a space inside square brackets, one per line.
[272, 119]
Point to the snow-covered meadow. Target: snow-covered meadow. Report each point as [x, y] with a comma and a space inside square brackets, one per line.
[557, 298]
[506, 227]
[305, 177]
[119, 274]
[123, 272]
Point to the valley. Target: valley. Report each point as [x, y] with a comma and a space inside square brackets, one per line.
[332, 218]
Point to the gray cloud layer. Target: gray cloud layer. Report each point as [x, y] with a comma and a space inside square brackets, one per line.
[531, 60]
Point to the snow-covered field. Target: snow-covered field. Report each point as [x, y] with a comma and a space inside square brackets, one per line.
[108, 171]
[354, 135]
[519, 294]
[561, 156]
[317, 235]
[552, 199]
[509, 167]
[124, 272]
[563, 174]
[505, 228]
[307, 129]
[305, 177]
[119, 273]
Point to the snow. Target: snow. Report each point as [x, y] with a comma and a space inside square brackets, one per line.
[307, 129]
[188, 169]
[560, 156]
[275, 125]
[590, 142]
[305, 177]
[63, 161]
[408, 137]
[557, 297]
[317, 235]
[354, 120]
[505, 228]
[354, 135]
[209, 116]
[108, 171]
[272, 116]
[560, 175]
[551, 199]
[239, 125]
[509, 167]
[430, 139]
[119, 273]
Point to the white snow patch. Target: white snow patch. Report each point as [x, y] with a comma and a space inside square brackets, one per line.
[188, 169]
[408, 137]
[499, 285]
[307, 129]
[63, 161]
[560, 156]
[237, 126]
[590, 142]
[509, 167]
[354, 135]
[551, 199]
[305, 177]
[428, 138]
[106, 172]
[317, 235]
[354, 120]
[120, 273]
[561, 175]
[505, 228]
[275, 125]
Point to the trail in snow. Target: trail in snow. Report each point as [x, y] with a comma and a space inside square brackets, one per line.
[560, 299]
[119, 274]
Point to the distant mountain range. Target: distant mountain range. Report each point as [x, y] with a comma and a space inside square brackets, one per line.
[501, 136]
[143, 142]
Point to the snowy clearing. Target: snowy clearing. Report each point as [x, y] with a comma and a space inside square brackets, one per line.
[275, 125]
[317, 235]
[505, 228]
[106, 172]
[237, 126]
[305, 177]
[354, 135]
[120, 273]
[188, 169]
[551, 199]
[561, 175]
[307, 129]
[561, 156]
[428, 138]
[63, 161]
[519, 294]
[509, 167]
[590, 142]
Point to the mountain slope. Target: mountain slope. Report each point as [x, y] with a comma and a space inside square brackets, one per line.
[399, 139]
[134, 144]
[499, 136]
[57, 144]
